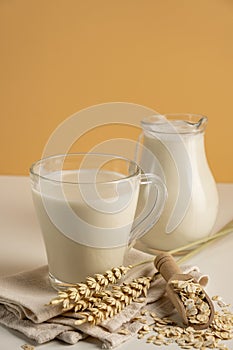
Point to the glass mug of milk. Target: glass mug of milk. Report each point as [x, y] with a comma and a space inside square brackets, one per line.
[86, 205]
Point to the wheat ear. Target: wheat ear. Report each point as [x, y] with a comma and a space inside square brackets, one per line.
[95, 284]
[110, 302]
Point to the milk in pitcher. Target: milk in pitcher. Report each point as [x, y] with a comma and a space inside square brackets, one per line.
[174, 149]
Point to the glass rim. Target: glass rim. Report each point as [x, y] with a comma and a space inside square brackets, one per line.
[197, 121]
[64, 155]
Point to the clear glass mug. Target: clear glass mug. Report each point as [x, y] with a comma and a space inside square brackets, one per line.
[86, 205]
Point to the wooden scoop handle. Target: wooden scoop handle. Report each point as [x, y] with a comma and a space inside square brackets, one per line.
[166, 265]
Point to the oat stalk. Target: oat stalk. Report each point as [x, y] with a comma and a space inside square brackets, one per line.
[224, 231]
[199, 244]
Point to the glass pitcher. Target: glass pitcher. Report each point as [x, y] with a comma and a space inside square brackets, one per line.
[172, 146]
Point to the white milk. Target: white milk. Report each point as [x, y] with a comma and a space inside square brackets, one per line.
[201, 211]
[103, 228]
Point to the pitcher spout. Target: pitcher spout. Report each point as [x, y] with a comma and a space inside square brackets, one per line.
[198, 124]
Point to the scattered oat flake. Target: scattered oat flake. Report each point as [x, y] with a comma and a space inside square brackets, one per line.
[222, 304]
[144, 312]
[151, 339]
[140, 335]
[143, 321]
[216, 298]
[123, 331]
[27, 347]
[158, 342]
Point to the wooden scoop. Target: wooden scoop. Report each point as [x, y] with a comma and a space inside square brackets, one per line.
[170, 271]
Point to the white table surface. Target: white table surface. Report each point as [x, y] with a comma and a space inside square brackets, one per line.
[22, 248]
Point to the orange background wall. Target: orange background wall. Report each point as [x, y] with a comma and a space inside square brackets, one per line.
[59, 56]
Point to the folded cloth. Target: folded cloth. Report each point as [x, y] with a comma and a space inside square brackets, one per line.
[24, 299]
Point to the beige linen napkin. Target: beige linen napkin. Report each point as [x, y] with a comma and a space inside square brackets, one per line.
[23, 299]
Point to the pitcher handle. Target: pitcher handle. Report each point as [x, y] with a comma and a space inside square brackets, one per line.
[143, 225]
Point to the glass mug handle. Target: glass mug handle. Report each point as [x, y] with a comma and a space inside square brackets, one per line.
[142, 225]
